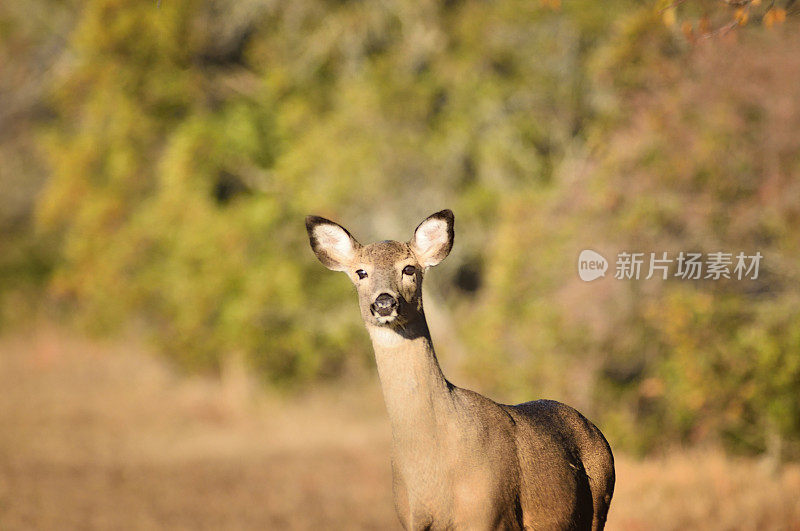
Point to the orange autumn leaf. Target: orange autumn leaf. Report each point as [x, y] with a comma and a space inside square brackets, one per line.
[774, 16]
[741, 16]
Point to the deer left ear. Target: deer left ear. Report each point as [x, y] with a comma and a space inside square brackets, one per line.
[331, 242]
[433, 238]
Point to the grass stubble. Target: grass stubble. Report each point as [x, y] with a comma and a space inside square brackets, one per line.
[102, 435]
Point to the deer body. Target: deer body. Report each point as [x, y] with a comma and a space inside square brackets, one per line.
[461, 460]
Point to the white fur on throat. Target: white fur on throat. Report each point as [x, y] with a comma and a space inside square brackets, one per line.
[385, 336]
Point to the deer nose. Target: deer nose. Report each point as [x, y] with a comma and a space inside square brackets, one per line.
[384, 305]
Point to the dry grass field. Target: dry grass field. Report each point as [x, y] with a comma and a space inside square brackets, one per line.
[103, 436]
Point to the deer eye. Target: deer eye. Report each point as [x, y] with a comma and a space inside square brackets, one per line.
[409, 270]
[361, 274]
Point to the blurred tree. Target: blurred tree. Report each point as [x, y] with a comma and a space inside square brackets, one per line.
[697, 157]
[31, 56]
[188, 149]
[162, 190]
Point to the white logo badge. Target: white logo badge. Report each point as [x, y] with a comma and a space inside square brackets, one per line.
[591, 265]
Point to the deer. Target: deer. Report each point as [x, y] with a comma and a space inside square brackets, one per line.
[460, 460]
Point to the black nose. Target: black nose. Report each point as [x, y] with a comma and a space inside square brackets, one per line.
[384, 304]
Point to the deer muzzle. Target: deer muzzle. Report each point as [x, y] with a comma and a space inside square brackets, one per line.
[384, 305]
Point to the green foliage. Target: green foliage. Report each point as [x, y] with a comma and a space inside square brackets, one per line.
[187, 152]
[26, 258]
[167, 205]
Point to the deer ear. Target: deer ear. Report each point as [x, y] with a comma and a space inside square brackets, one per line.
[331, 242]
[433, 238]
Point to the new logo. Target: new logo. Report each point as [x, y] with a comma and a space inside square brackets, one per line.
[591, 265]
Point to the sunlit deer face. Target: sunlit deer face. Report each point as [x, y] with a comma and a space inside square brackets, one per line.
[387, 275]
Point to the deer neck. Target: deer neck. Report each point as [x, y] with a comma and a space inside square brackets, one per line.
[417, 395]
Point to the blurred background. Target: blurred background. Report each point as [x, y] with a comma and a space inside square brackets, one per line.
[173, 356]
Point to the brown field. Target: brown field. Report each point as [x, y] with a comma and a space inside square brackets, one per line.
[102, 436]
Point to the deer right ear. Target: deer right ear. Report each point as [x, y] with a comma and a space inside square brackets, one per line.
[433, 238]
[331, 242]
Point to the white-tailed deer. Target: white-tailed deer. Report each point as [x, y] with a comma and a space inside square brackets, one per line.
[460, 460]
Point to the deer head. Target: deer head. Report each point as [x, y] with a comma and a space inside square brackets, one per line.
[387, 275]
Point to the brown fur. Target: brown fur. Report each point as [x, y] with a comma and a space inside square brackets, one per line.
[460, 460]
